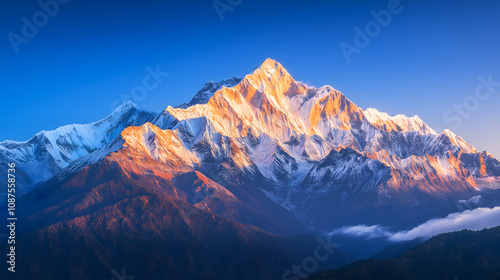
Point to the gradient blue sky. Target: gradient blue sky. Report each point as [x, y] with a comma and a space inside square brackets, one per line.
[426, 60]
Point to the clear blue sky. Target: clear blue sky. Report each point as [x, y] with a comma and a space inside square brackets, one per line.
[427, 59]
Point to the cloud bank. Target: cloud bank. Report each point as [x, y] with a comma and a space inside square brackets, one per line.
[476, 219]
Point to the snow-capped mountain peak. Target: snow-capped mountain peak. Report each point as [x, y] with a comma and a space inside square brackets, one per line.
[48, 152]
[457, 140]
[208, 91]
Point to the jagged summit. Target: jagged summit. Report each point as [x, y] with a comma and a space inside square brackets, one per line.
[399, 122]
[270, 67]
[457, 140]
[208, 91]
[271, 77]
[125, 105]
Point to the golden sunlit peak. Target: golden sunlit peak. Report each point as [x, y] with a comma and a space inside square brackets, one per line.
[271, 66]
[269, 74]
[269, 62]
[449, 133]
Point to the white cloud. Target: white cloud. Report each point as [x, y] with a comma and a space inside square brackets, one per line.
[368, 232]
[476, 219]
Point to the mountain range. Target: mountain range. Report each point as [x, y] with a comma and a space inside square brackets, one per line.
[255, 161]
